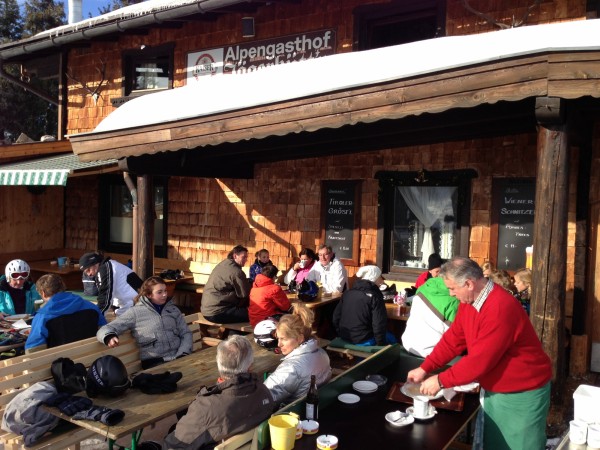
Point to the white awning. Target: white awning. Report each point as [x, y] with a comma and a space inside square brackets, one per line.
[52, 171]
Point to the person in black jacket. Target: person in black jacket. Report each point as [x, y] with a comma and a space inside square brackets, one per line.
[361, 318]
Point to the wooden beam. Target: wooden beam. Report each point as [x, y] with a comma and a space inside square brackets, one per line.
[145, 228]
[550, 236]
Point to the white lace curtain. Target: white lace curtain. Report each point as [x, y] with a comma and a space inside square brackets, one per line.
[430, 205]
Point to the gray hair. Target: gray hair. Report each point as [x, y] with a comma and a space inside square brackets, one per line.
[234, 356]
[460, 269]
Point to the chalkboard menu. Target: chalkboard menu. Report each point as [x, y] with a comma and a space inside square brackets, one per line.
[340, 210]
[513, 207]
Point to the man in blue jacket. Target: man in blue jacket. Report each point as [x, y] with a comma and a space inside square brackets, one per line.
[64, 318]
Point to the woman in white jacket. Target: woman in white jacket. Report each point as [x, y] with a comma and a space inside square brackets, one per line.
[302, 357]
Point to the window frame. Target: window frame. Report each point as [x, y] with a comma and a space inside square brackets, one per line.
[107, 182]
[129, 59]
[388, 181]
[367, 17]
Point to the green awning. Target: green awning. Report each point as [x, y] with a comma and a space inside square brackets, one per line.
[52, 171]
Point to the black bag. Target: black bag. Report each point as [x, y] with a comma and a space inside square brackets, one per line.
[68, 376]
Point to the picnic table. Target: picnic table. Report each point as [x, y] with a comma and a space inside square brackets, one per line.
[71, 274]
[141, 410]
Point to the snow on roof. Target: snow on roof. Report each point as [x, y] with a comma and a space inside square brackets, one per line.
[222, 93]
[127, 12]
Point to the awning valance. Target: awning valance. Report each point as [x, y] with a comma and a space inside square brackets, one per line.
[51, 171]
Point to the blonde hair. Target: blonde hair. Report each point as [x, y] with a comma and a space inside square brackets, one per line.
[503, 279]
[50, 284]
[298, 324]
[524, 275]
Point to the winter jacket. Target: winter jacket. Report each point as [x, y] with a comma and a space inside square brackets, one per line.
[163, 335]
[266, 299]
[60, 304]
[24, 416]
[291, 379]
[361, 314]
[117, 286]
[425, 326]
[218, 412]
[227, 287]
[6, 303]
[257, 267]
[333, 276]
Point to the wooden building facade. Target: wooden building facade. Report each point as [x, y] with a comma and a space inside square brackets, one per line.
[259, 175]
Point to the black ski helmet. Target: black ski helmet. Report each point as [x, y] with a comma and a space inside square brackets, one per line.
[107, 376]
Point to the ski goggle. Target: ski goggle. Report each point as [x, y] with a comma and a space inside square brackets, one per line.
[19, 275]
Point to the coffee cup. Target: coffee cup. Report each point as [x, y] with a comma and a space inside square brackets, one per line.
[578, 431]
[593, 435]
[302, 263]
[421, 406]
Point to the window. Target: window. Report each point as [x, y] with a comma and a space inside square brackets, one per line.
[422, 213]
[116, 216]
[148, 69]
[394, 24]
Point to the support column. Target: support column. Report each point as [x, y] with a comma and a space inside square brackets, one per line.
[144, 263]
[550, 235]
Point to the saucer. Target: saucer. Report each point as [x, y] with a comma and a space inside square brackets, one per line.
[410, 410]
[399, 419]
[364, 387]
[379, 380]
[348, 398]
[412, 390]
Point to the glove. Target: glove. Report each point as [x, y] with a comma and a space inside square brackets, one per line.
[162, 383]
[101, 414]
[68, 404]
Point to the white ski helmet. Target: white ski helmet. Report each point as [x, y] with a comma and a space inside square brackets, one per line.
[16, 266]
[264, 333]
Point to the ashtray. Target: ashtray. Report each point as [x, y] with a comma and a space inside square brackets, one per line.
[379, 380]
[310, 426]
[327, 442]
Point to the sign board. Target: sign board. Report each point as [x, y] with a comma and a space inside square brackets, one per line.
[513, 208]
[340, 213]
[255, 55]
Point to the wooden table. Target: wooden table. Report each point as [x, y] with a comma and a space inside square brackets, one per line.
[363, 426]
[172, 284]
[70, 275]
[198, 369]
[323, 308]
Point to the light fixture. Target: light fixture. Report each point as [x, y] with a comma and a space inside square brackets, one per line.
[247, 27]
[421, 177]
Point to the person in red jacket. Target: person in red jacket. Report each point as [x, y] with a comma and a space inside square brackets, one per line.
[504, 355]
[266, 297]
[434, 263]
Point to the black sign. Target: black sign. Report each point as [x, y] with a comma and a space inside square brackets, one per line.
[340, 218]
[514, 205]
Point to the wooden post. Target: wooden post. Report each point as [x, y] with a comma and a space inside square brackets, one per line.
[550, 235]
[145, 230]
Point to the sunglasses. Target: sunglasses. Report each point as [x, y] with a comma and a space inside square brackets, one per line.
[19, 275]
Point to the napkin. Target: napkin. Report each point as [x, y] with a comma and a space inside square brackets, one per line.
[20, 325]
[448, 393]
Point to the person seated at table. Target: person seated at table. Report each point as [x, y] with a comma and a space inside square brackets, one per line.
[17, 292]
[503, 279]
[225, 296]
[65, 317]
[117, 283]
[329, 271]
[300, 270]
[302, 357]
[523, 287]
[238, 402]
[360, 318]
[434, 265]
[267, 298]
[156, 324]
[432, 312]
[487, 268]
[262, 260]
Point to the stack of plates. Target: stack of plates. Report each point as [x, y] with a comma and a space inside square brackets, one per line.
[364, 387]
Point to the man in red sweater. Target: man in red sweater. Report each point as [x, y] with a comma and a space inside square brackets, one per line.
[504, 355]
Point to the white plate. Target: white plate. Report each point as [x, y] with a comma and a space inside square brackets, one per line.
[467, 387]
[410, 410]
[16, 317]
[364, 387]
[399, 419]
[348, 398]
[412, 390]
[25, 332]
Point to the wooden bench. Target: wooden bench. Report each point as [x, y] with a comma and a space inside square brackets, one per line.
[17, 374]
[223, 329]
